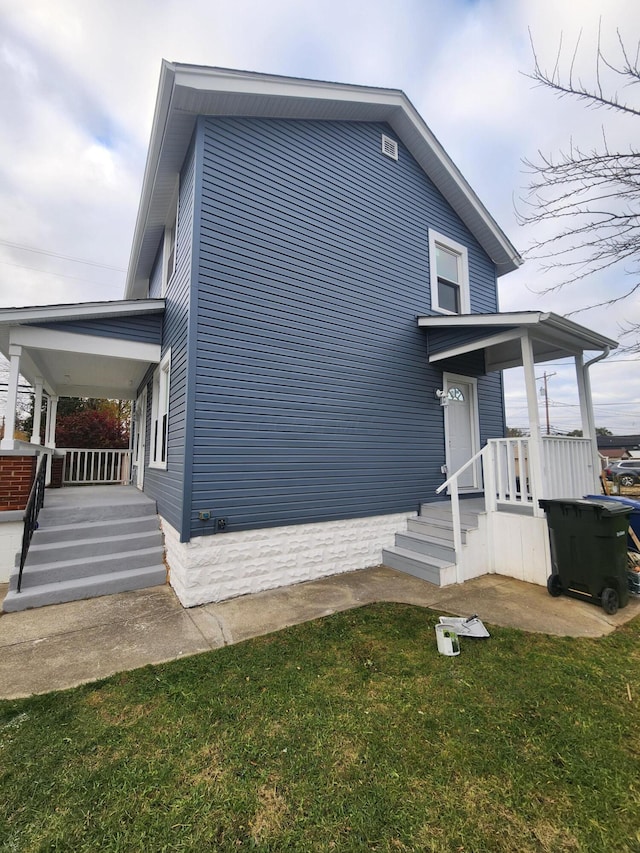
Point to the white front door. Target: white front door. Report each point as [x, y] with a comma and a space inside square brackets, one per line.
[140, 426]
[461, 428]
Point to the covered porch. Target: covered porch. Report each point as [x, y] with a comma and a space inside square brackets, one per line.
[516, 473]
[101, 350]
[96, 349]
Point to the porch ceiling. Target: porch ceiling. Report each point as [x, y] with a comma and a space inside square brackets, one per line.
[68, 374]
[76, 363]
[499, 335]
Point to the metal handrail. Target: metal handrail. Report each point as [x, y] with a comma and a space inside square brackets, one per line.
[35, 503]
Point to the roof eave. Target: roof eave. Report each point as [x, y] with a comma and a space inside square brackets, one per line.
[205, 91]
[589, 339]
[80, 311]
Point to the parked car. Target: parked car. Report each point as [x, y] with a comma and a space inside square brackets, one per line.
[626, 471]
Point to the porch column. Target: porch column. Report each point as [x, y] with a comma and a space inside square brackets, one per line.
[587, 418]
[535, 440]
[52, 413]
[50, 433]
[12, 397]
[37, 411]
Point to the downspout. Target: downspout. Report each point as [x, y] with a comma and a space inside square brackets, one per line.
[592, 424]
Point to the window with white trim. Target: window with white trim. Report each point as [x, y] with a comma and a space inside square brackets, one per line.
[449, 274]
[160, 413]
[170, 245]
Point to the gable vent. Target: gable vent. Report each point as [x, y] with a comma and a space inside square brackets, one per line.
[389, 147]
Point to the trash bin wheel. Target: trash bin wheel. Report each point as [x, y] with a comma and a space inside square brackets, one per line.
[554, 587]
[609, 600]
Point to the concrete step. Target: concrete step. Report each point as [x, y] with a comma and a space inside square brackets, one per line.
[52, 552]
[107, 584]
[438, 527]
[426, 568]
[444, 514]
[427, 546]
[53, 516]
[470, 508]
[80, 569]
[95, 529]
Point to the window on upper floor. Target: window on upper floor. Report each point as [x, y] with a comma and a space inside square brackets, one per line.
[169, 249]
[449, 274]
[160, 413]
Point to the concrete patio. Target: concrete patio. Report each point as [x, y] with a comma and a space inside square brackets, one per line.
[60, 646]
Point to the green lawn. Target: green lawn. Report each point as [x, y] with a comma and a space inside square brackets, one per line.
[348, 733]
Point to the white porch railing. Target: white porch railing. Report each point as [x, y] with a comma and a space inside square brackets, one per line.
[507, 475]
[95, 467]
[568, 467]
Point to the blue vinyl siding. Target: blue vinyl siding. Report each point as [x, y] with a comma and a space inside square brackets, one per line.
[143, 328]
[167, 486]
[314, 399]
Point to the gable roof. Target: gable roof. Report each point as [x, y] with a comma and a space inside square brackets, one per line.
[187, 91]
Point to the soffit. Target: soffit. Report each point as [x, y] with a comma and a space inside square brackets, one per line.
[185, 92]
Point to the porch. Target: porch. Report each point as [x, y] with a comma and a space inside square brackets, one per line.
[507, 534]
[102, 350]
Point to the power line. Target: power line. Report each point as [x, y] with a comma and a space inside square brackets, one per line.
[57, 255]
[59, 274]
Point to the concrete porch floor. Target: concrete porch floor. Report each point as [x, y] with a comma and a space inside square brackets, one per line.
[60, 646]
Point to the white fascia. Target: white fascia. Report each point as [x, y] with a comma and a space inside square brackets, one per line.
[581, 337]
[202, 90]
[48, 339]
[81, 311]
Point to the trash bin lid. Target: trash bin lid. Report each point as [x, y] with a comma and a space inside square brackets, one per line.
[602, 506]
[616, 499]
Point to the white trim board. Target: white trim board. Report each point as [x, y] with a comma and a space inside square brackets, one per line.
[187, 91]
[48, 339]
[81, 311]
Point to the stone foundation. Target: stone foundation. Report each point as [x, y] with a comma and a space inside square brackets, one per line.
[226, 565]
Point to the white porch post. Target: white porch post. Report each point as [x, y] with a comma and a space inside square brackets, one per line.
[535, 440]
[50, 433]
[52, 413]
[588, 420]
[37, 411]
[12, 397]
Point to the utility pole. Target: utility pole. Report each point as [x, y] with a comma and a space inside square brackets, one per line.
[545, 392]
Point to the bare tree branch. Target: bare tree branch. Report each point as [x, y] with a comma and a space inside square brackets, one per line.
[590, 198]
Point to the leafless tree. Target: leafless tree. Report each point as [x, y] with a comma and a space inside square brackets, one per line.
[590, 196]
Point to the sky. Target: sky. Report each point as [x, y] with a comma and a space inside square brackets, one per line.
[78, 81]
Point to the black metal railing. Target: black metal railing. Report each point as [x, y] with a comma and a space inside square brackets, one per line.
[33, 507]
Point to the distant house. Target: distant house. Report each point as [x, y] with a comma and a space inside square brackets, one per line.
[614, 447]
[312, 338]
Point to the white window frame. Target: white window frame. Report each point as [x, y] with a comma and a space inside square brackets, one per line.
[170, 241]
[436, 239]
[160, 413]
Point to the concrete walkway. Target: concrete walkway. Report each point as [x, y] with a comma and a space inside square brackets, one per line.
[63, 645]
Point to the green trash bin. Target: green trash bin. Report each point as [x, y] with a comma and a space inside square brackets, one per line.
[588, 550]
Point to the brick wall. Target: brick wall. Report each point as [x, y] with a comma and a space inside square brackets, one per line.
[16, 477]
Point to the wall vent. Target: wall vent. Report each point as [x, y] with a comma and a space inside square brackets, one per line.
[389, 147]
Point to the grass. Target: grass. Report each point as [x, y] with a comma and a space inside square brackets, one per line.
[350, 733]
